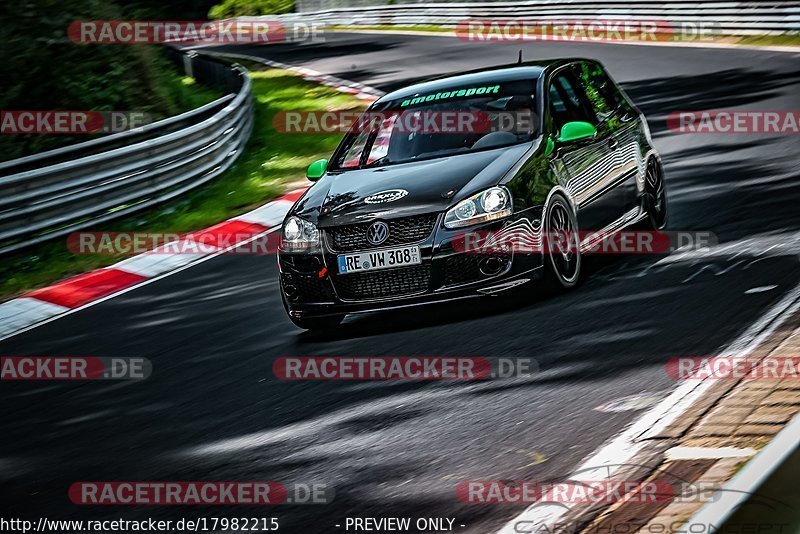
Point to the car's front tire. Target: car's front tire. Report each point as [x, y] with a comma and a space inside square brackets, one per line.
[655, 195]
[561, 244]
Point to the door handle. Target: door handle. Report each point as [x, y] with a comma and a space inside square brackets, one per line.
[613, 143]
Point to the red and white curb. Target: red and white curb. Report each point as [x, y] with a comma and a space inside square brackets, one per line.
[68, 295]
[359, 90]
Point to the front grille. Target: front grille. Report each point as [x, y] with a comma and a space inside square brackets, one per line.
[401, 232]
[311, 288]
[300, 274]
[466, 268]
[388, 283]
[462, 268]
[307, 288]
[302, 263]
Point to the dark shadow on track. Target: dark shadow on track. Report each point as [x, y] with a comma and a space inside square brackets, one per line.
[726, 89]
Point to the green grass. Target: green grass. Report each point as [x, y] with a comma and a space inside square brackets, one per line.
[271, 161]
[192, 95]
[771, 40]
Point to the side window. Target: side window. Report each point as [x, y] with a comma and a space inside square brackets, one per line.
[601, 90]
[380, 147]
[352, 156]
[568, 102]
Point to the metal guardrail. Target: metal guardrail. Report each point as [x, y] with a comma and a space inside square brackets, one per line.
[723, 16]
[54, 193]
[757, 483]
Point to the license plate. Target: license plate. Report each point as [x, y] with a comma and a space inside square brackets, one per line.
[378, 259]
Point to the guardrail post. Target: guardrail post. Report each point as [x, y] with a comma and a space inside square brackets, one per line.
[188, 58]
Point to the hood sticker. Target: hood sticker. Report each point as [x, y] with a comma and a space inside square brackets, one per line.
[389, 195]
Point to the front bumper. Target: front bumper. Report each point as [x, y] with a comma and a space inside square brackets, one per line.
[312, 286]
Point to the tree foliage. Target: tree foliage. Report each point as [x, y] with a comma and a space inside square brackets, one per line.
[249, 8]
[46, 71]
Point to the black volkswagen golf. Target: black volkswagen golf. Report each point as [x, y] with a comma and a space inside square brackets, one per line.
[531, 149]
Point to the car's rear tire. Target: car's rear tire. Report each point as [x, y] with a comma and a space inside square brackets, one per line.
[655, 199]
[317, 323]
[562, 256]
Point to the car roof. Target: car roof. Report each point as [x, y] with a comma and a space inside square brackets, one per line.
[503, 73]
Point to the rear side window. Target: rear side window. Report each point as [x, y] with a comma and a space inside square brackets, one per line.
[602, 92]
[568, 101]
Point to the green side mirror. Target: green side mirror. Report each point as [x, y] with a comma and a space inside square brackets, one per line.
[551, 145]
[316, 169]
[575, 131]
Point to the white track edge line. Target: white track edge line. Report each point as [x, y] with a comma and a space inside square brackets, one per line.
[622, 448]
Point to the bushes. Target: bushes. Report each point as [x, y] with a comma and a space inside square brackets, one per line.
[46, 71]
[238, 8]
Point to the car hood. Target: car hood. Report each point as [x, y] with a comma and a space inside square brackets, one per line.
[424, 187]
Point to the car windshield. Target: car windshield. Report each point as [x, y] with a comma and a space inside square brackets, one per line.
[442, 123]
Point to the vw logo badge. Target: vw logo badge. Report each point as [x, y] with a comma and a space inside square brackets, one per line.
[378, 232]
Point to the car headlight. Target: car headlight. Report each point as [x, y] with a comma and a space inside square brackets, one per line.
[299, 234]
[494, 203]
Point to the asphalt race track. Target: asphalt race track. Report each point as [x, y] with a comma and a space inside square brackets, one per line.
[212, 409]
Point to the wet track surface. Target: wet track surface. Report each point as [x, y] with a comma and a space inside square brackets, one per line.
[213, 411]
